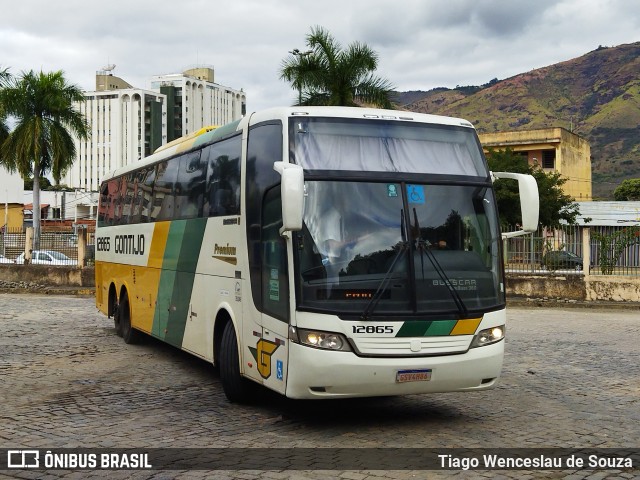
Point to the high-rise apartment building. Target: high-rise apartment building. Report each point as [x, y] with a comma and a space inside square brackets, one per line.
[128, 123]
[194, 101]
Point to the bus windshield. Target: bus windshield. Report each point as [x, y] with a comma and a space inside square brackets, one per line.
[435, 247]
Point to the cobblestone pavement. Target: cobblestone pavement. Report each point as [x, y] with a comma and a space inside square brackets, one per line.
[571, 379]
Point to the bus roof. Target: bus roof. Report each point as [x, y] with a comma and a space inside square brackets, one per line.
[201, 137]
[209, 134]
[354, 112]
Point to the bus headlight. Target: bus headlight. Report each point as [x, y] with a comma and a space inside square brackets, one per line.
[319, 339]
[488, 336]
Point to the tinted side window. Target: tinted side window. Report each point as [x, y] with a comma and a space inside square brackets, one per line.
[129, 187]
[164, 190]
[103, 207]
[121, 195]
[146, 186]
[112, 200]
[189, 192]
[223, 180]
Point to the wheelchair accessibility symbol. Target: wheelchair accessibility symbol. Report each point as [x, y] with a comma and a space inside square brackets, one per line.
[415, 194]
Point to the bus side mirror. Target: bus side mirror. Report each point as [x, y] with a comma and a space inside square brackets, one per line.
[292, 194]
[529, 201]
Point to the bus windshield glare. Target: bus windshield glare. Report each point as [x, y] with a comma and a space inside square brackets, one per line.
[449, 234]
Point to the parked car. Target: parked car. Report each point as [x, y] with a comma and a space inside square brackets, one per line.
[561, 259]
[4, 259]
[47, 257]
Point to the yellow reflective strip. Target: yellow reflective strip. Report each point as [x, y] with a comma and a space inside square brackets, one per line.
[158, 244]
[466, 327]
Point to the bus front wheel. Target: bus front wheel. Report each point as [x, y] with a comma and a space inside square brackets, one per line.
[236, 388]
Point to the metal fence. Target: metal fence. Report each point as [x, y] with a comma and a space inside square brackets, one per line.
[612, 250]
[615, 250]
[57, 246]
[12, 242]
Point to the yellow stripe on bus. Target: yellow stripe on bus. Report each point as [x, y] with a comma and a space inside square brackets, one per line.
[158, 244]
[466, 327]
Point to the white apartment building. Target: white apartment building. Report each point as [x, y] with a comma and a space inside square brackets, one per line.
[128, 124]
[194, 101]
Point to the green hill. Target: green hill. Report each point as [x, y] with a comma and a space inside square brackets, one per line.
[596, 96]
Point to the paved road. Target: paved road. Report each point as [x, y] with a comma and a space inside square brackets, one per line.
[571, 379]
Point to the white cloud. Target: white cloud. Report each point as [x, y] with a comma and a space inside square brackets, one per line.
[421, 44]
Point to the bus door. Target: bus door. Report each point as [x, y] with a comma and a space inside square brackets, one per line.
[274, 319]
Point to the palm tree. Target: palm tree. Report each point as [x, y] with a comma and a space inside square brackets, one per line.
[5, 77]
[329, 75]
[45, 119]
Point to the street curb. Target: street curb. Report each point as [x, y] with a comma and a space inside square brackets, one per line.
[71, 291]
[512, 302]
[526, 302]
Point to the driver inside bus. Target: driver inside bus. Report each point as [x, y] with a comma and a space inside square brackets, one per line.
[333, 234]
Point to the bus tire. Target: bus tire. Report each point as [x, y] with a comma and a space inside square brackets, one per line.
[236, 388]
[117, 323]
[129, 334]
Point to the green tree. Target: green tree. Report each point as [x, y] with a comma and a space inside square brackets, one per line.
[42, 106]
[628, 190]
[327, 74]
[44, 183]
[555, 205]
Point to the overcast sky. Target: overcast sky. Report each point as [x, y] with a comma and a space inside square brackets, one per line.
[421, 44]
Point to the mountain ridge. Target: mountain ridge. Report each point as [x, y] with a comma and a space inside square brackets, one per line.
[596, 96]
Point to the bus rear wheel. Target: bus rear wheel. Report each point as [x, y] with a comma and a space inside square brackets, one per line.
[117, 323]
[236, 388]
[129, 334]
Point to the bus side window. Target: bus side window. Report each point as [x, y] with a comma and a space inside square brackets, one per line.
[223, 182]
[112, 192]
[190, 186]
[129, 196]
[147, 196]
[120, 199]
[104, 204]
[163, 190]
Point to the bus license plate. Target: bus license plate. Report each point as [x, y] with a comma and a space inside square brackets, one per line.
[413, 376]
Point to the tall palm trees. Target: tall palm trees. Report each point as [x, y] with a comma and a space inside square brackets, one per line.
[42, 106]
[329, 75]
[5, 76]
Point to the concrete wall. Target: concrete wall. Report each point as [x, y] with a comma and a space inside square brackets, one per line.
[569, 287]
[575, 287]
[54, 276]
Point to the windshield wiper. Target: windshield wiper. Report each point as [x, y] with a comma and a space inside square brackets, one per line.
[384, 283]
[422, 248]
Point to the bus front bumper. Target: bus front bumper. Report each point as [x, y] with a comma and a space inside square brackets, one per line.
[315, 373]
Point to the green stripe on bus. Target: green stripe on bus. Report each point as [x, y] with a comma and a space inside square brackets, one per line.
[441, 327]
[414, 329]
[426, 328]
[187, 261]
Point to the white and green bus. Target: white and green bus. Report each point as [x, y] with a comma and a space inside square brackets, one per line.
[322, 252]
